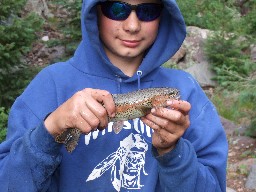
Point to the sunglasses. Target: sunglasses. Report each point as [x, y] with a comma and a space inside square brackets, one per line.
[119, 11]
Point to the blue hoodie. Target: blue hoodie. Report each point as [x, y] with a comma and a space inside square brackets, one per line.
[30, 159]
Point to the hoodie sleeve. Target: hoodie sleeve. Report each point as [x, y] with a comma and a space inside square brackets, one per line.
[29, 157]
[198, 162]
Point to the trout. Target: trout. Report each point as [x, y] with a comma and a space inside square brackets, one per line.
[128, 106]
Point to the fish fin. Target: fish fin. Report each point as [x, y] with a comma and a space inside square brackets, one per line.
[118, 126]
[144, 110]
[61, 138]
[70, 138]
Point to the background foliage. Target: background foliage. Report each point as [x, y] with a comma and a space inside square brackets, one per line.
[233, 23]
[3, 123]
[70, 26]
[16, 37]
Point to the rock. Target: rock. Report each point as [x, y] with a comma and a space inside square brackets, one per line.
[45, 38]
[230, 127]
[230, 190]
[203, 74]
[40, 7]
[56, 53]
[191, 58]
[197, 63]
[46, 55]
[194, 45]
[179, 55]
[251, 180]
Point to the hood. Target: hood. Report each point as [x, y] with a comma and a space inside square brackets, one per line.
[90, 55]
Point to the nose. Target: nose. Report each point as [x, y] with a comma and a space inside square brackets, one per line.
[132, 24]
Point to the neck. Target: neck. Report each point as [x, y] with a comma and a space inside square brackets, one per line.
[128, 66]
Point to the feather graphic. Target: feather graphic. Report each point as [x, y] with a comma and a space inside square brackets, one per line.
[103, 166]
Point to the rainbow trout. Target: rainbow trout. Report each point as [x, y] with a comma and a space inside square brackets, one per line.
[128, 106]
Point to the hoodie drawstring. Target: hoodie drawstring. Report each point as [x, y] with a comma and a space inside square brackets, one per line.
[139, 74]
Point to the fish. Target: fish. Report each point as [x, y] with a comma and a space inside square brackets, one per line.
[129, 106]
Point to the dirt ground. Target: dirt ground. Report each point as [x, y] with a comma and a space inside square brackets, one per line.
[242, 152]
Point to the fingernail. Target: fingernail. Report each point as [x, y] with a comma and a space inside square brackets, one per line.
[153, 110]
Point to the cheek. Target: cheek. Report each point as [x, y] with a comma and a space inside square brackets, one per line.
[104, 26]
[151, 29]
[108, 29]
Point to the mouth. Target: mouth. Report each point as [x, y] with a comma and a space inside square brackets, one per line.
[131, 43]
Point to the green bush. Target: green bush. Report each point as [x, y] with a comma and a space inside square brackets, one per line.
[9, 7]
[225, 52]
[234, 72]
[247, 24]
[73, 26]
[247, 101]
[238, 103]
[208, 14]
[3, 123]
[16, 37]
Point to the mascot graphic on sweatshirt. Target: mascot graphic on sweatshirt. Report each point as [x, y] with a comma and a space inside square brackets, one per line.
[126, 163]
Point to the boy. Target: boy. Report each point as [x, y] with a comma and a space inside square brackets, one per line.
[179, 148]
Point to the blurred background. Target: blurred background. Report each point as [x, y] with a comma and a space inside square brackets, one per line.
[219, 51]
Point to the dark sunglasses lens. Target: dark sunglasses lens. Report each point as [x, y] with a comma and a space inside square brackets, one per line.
[115, 10]
[148, 12]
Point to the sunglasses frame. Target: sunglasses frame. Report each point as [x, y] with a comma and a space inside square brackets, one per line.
[131, 8]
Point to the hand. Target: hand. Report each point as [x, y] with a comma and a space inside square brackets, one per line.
[169, 124]
[86, 110]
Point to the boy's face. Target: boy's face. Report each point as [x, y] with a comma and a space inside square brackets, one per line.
[129, 38]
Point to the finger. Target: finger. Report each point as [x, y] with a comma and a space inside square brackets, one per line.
[148, 120]
[163, 138]
[83, 126]
[174, 126]
[156, 122]
[180, 105]
[167, 115]
[160, 135]
[105, 98]
[173, 119]
[94, 101]
[96, 114]
[91, 120]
